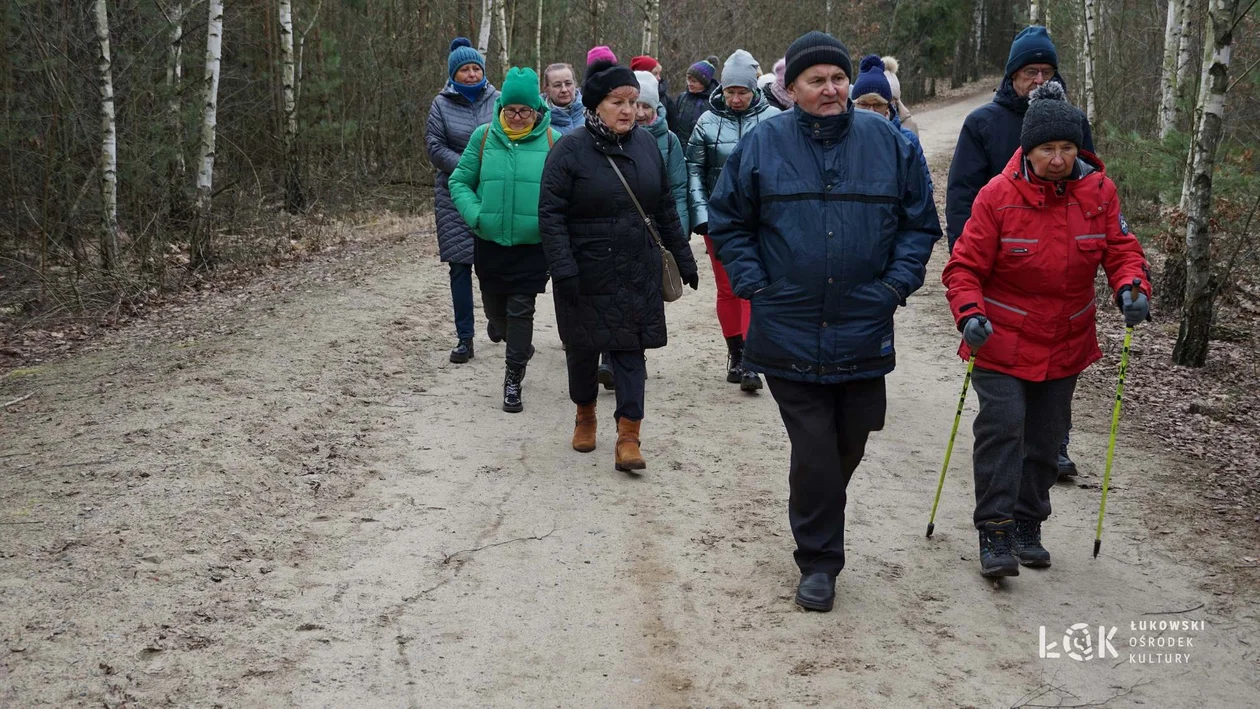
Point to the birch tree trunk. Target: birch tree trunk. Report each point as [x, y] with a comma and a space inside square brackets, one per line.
[109, 142]
[1196, 117]
[651, 11]
[1201, 287]
[487, 20]
[1168, 73]
[177, 205]
[1185, 60]
[538, 61]
[1034, 12]
[977, 24]
[1091, 42]
[201, 256]
[827, 18]
[294, 200]
[500, 19]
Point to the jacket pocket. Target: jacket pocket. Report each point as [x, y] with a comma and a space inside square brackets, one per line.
[770, 290]
[1008, 324]
[597, 264]
[1015, 249]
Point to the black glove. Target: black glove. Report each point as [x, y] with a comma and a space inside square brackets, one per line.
[566, 289]
[701, 229]
[692, 279]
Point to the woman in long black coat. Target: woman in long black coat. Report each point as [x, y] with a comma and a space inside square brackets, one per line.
[605, 266]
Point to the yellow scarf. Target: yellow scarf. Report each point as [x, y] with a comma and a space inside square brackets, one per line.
[514, 135]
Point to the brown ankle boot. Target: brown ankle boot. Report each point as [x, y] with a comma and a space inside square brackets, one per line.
[584, 429]
[629, 457]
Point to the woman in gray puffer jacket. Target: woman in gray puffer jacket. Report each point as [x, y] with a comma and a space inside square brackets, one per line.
[465, 103]
[734, 111]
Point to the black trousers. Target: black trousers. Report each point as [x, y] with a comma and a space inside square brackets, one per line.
[1017, 436]
[828, 425]
[513, 315]
[629, 371]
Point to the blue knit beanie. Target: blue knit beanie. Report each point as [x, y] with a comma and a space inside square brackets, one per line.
[462, 53]
[871, 79]
[1032, 46]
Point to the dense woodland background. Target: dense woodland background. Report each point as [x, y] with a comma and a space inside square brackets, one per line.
[363, 73]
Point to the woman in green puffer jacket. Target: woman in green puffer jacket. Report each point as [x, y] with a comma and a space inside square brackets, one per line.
[734, 112]
[495, 188]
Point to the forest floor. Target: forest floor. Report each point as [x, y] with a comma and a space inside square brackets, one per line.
[283, 494]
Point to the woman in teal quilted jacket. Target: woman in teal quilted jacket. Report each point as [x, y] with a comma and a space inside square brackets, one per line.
[495, 188]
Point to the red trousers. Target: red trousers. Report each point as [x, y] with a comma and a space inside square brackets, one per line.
[733, 313]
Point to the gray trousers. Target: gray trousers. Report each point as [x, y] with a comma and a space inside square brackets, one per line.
[1017, 436]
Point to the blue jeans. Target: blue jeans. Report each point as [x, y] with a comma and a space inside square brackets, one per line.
[462, 299]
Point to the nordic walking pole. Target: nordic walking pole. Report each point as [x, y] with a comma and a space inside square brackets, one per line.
[1115, 424]
[949, 450]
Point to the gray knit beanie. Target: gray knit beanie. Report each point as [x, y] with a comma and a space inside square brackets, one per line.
[741, 69]
[1050, 117]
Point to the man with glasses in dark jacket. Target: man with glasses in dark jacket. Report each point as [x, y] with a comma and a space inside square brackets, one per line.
[990, 136]
[826, 252]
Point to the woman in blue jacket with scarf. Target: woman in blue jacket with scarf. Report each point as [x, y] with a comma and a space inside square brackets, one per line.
[466, 102]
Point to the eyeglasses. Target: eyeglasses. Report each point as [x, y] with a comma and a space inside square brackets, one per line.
[870, 105]
[562, 85]
[1031, 73]
[518, 112]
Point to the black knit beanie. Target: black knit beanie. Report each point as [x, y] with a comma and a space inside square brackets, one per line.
[815, 48]
[602, 77]
[1050, 117]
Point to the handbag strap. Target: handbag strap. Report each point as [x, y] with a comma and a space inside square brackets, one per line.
[651, 228]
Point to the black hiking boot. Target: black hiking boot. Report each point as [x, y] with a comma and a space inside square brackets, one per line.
[1026, 544]
[493, 333]
[463, 351]
[512, 390]
[749, 381]
[606, 372]
[996, 558]
[1067, 469]
[816, 592]
[735, 361]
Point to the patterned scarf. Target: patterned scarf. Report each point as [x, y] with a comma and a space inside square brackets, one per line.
[596, 125]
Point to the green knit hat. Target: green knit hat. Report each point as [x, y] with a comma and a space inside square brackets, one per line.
[521, 87]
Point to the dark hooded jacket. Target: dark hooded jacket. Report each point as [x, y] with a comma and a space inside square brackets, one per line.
[591, 229]
[685, 110]
[989, 138]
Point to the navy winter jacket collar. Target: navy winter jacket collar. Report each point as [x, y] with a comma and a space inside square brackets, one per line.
[825, 129]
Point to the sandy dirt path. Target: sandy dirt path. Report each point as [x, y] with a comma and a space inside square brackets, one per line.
[296, 500]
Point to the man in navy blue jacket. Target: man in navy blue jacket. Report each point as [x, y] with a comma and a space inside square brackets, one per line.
[990, 136]
[824, 219]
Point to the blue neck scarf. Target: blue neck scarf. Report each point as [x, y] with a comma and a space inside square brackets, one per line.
[472, 93]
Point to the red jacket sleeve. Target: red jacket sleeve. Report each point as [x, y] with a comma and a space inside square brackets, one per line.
[1124, 259]
[973, 258]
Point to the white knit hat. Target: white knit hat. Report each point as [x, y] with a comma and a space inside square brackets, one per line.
[649, 90]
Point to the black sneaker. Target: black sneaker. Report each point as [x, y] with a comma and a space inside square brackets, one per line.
[512, 390]
[749, 381]
[462, 352]
[996, 557]
[1026, 544]
[493, 333]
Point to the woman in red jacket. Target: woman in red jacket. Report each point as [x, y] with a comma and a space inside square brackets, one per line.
[1020, 283]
